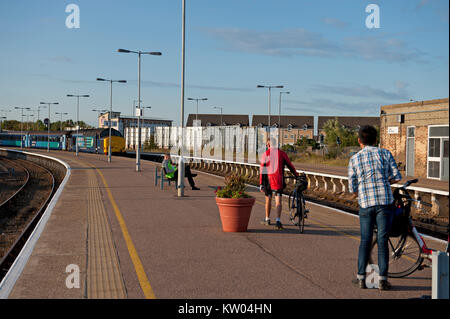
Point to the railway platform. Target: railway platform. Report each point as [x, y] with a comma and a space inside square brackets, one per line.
[130, 239]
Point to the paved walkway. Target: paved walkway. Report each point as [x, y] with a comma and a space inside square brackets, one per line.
[133, 240]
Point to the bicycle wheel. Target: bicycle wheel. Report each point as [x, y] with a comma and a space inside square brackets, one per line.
[404, 255]
[292, 208]
[301, 214]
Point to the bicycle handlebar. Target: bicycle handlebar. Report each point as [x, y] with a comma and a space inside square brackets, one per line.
[411, 181]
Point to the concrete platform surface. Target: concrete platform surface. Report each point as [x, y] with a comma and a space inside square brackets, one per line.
[132, 240]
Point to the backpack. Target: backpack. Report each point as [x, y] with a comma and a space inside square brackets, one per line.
[400, 220]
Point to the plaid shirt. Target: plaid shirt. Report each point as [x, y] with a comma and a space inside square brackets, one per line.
[369, 172]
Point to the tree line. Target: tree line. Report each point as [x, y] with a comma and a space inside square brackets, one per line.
[14, 125]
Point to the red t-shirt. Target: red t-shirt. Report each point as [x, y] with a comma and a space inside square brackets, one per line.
[272, 164]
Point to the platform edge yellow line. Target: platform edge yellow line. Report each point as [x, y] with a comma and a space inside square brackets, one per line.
[139, 268]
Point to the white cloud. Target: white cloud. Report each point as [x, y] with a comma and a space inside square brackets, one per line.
[363, 91]
[302, 42]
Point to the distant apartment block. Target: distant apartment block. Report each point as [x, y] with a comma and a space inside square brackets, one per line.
[292, 128]
[206, 120]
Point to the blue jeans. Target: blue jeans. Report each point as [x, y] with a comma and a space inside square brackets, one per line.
[381, 216]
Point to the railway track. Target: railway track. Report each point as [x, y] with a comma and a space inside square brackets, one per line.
[13, 178]
[20, 213]
[426, 226]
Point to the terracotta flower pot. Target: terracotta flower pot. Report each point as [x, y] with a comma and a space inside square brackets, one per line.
[235, 213]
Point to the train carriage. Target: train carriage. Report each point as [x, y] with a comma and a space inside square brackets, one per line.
[92, 140]
[54, 140]
[97, 141]
[57, 140]
[12, 139]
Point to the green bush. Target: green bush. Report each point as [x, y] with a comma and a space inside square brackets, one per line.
[234, 187]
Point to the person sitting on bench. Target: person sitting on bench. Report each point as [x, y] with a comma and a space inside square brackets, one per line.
[171, 172]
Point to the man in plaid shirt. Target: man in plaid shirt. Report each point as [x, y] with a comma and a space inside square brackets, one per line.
[370, 174]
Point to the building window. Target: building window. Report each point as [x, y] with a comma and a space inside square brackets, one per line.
[438, 163]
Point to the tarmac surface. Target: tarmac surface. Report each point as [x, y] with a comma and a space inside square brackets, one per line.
[130, 239]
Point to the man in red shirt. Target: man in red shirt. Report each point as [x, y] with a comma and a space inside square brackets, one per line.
[271, 178]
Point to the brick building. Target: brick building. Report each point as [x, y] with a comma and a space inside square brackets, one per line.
[120, 122]
[205, 120]
[417, 135]
[292, 127]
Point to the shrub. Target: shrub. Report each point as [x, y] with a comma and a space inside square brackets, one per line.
[234, 187]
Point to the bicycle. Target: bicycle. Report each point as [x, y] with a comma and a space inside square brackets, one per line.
[296, 202]
[407, 248]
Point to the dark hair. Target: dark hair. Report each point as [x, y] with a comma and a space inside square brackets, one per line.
[368, 135]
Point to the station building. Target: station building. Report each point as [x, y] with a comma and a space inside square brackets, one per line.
[417, 135]
[120, 122]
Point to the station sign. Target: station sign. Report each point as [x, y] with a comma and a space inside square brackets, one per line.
[392, 130]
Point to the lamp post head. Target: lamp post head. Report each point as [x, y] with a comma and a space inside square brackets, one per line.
[123, 51]
[100, 79]
[155, 53]
[122, 81]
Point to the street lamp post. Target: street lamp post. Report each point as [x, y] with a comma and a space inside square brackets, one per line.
[48, 126]
[21, 123]
[110, 112]
[78, 121]
[270, 87]
[279, 107]
[183, 68]
[28, 119]
[279, 116]
[139, 53]
[221, 109]
[192, 99]
[60, 125]
[1, 122]
[100, 112]
[38, 110]
[134, 109]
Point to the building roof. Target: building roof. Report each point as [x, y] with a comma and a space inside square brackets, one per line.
[298, 122]
[437, 103]
[214, 119]
[350, 121]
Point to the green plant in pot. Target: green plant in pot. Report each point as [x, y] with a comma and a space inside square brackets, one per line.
[235, 205]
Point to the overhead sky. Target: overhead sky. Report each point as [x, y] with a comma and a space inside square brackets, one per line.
[321, 51]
